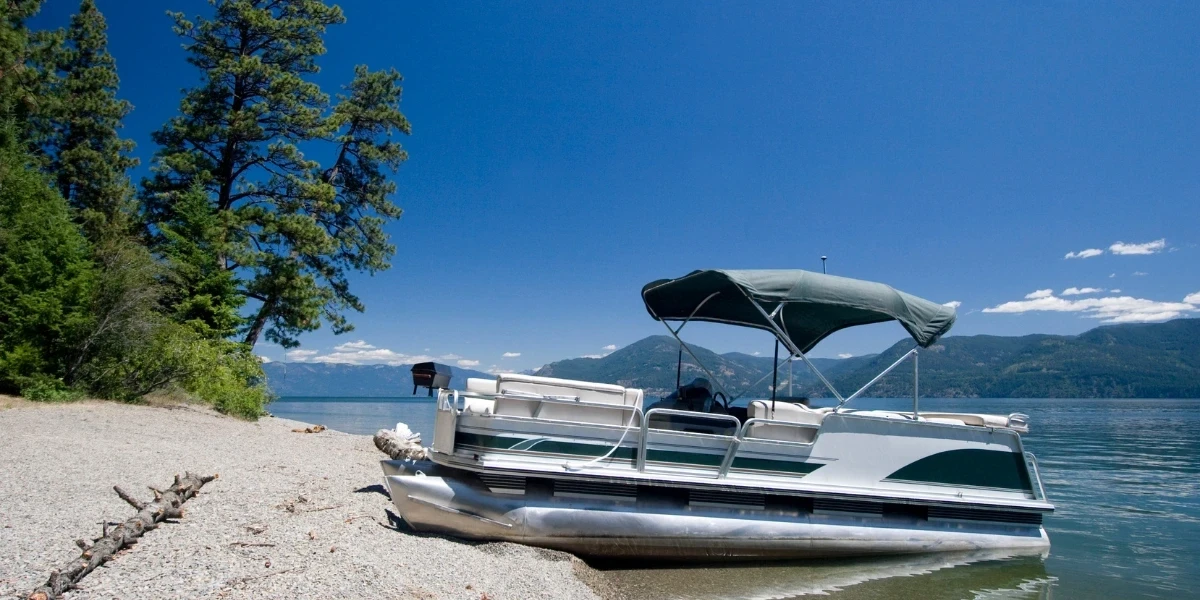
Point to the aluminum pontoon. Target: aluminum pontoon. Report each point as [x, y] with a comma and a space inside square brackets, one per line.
[586, 468]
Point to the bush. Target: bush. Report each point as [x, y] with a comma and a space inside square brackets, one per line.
[43, 388]
[229, 377]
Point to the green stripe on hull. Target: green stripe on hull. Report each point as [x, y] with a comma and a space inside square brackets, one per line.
[993, 469]
[549, 446]
[782, 466]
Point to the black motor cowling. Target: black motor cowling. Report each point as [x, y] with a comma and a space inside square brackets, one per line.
[430, 375]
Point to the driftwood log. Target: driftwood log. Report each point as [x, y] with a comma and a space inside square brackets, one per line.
[400, 446]
[167, 504]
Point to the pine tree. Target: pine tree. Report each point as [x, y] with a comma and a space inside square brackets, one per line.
[22, 78]
[87, 158]
[288, 229]
[46, 277]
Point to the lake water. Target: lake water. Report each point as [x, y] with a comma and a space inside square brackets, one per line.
[1123, 474]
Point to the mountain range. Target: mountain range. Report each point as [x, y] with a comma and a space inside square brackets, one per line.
[1160, 360]
[350, 381]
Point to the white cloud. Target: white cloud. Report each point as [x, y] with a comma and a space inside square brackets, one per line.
[374, 356]
[1147, 248]
[1115, 291]
[845, 355]
[468, 363]
[1074, 291]
[300, 355]
[1140, 273]
[593, 356]
[1089, 253]
[510, 354]
[1111, 275]
[264, 360]
[610, 347]
[1046, 293]
[953, 304]
[756, 353]
[361, 353]
[1113, 309]
[496, 370]
[353, 346]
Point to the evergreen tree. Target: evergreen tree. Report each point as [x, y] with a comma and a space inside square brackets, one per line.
[46, 277]
[289, 229]
[21, 79]
[87, 158]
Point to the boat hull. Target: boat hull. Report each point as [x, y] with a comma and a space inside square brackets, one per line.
[431, 498]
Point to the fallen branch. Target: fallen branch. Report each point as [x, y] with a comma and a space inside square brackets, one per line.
[400, 447]
[167, 504]
[313, 429]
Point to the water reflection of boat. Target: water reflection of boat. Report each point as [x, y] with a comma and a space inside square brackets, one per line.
[581, 467]
[981, 575]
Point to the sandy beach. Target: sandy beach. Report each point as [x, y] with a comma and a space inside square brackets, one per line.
[293, 515]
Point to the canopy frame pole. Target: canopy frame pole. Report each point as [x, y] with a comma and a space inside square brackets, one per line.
[682, 344]
[916, 382]
[760, 380]
[787, 342]
[678, 368]
[873, 381]
[775, 377]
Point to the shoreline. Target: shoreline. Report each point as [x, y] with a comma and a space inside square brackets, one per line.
[292, 515]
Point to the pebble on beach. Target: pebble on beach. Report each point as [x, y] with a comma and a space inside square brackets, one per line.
[292, 516]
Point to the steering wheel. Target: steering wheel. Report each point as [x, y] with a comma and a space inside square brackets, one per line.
[724, 400]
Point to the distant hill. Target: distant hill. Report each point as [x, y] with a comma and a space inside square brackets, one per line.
[364, 381]
[650, 364]
[1153, 360]
[1159, 360]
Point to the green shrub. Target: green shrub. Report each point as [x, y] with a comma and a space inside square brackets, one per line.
[229, 377]
[44, 388]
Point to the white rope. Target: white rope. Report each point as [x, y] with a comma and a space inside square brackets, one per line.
[570, 466]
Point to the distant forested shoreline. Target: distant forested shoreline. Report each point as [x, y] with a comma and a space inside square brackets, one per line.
[1160, 360]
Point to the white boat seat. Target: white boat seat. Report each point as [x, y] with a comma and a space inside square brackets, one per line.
[478, 406]
[478, 385]
[515, 390]
[786, 412]
[1015, 422]
[942, 420]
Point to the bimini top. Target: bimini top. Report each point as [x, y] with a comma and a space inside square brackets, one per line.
[814, 305]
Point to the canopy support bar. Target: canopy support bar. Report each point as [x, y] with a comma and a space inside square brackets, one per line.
[912, 353]
[682, 344]
[787, 342]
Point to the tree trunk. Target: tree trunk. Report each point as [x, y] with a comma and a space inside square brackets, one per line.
[166, 505]
[260, 320]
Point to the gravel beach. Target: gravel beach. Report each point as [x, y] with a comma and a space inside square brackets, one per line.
[293, 515]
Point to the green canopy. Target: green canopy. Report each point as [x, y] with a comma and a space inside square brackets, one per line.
[814, 305]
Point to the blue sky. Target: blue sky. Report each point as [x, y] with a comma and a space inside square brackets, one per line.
[565, 154]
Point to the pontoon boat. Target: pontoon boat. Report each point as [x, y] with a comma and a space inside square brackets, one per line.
[586, 468]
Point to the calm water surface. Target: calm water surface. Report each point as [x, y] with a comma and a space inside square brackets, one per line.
[1124, 475]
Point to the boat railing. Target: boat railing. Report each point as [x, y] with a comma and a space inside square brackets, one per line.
[542, 400]
[1039, 492]
[645, 433]
[744, 433]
